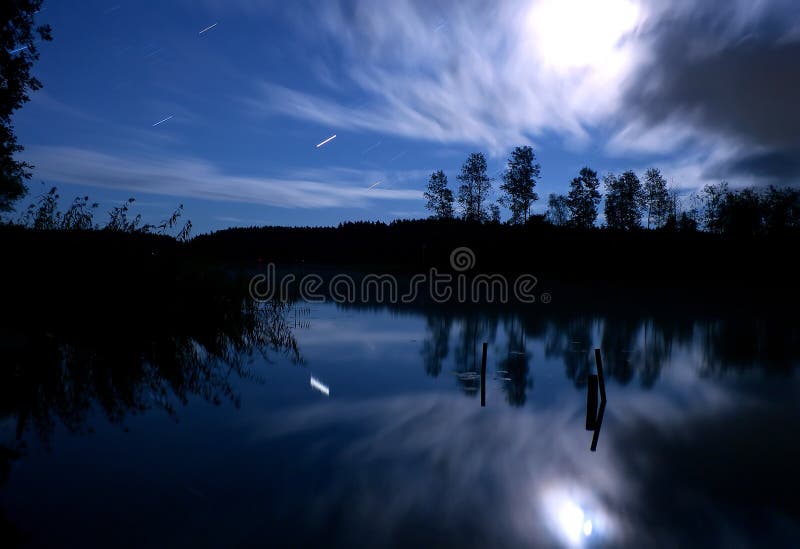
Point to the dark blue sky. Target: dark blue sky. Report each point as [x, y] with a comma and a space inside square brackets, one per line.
[407, 88]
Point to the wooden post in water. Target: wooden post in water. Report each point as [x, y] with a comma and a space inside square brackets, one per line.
[483, 375]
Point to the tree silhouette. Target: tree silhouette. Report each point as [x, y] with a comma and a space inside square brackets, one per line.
[519, 182]
[495, 213]
[583, 198]
[558, 209]
[474, 189]
[713, 199]
[745, 214]
[717, 209]
[624, 198]
[656, 198]
[439, 196]
[742, 212]
[687, 212]
[673, 207]
[781, 209]
[17, 54]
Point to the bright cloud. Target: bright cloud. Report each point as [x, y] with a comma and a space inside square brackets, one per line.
[581, 34]
[493, 74]
[656, 79]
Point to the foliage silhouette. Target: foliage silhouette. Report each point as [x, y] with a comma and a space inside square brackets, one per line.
[439, 197]
[717, 208]
[519, 181]
[474, 189]
[44, 214]
[624, 200]
[656, 198]
[748, 212]
[558, 211]
[582, 199]
[18, 51]
[494, 213]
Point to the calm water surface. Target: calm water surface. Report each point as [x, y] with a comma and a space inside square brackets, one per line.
[390, 445]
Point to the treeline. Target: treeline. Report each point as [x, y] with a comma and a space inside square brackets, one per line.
[629, 202]
[594, 262]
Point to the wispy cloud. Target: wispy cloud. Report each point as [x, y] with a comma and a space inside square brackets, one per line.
[494, 77]
[191, 177]
[651, 76]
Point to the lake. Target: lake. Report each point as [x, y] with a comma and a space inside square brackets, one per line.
[367, 429]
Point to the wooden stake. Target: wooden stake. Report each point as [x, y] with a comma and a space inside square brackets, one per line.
[483, 375]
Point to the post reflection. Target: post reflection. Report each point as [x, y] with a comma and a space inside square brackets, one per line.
[598, 425]
[595, 387]
[636, 349]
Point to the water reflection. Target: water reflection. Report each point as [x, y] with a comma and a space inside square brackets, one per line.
[635, 348]
[513, 366]
[650, 486]
[50, 376]
[394, 454]
[69, 353]
[746, 343]
[74, 359]
[473, 332]
[437, 346]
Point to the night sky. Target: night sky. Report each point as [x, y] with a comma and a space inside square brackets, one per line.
[142, 98]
